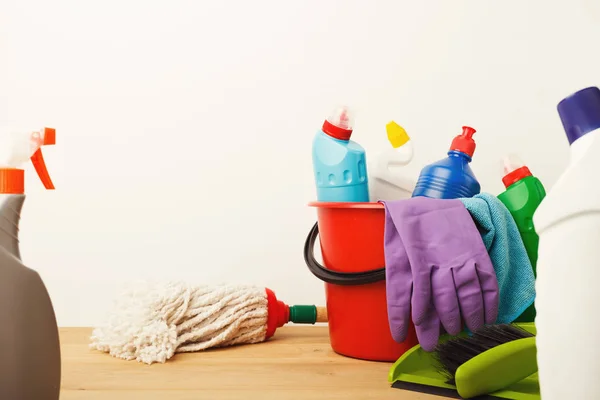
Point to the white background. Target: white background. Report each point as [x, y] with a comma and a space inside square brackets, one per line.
[184, 128]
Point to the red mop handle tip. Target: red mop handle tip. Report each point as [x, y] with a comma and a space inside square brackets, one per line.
[278, 313]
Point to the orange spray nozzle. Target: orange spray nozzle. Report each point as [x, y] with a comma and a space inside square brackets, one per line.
[38, 158]
[49, 136]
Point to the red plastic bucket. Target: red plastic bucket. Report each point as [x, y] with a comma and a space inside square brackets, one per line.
[351, 239]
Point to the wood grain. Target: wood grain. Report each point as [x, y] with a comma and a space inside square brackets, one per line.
[297, 363]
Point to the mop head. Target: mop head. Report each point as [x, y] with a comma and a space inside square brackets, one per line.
[152, 322]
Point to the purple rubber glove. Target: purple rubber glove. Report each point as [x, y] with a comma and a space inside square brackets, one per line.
[438, 267]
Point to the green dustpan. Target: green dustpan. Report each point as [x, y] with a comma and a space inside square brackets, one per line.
[417, 370]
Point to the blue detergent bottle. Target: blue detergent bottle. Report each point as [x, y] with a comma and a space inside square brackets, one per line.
[451, 177]
[339, 164]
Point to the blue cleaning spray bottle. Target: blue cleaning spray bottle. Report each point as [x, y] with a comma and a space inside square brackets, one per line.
[451, 177]
[339, 164]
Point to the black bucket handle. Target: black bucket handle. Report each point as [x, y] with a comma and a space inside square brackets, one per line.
[335, 277]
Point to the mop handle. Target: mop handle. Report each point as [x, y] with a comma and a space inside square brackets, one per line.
[322, 314]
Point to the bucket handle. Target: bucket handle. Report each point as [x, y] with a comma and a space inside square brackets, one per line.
[336, 277]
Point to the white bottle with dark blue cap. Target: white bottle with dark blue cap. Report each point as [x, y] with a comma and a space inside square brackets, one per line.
[568, 267]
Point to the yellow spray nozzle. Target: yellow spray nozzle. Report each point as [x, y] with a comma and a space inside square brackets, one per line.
[396, 134]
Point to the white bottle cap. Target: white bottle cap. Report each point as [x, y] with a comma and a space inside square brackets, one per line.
[342, 117]
[512, 162]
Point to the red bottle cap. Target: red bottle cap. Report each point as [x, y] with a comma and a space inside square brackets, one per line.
[339, 124]
[464, 142]
[514, 170]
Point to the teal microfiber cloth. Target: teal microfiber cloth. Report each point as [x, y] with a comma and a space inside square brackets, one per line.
[503, 242]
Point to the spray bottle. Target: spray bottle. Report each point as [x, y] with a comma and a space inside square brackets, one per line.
[30, 363]
[339, 164]
[386, 178]
[451, 177]
[524, 193]
[567, 292]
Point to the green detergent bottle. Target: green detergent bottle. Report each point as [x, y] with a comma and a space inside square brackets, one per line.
[524, 193]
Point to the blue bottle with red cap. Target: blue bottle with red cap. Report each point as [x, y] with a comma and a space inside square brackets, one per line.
[451, 177]
[339, 164]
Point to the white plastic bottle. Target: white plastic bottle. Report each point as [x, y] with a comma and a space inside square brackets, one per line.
[568, 268]
[388, 181]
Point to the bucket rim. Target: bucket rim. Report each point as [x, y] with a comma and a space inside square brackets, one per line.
[331, 204]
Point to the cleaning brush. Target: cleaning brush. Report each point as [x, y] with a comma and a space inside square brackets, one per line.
[152, 322]
[492, 358]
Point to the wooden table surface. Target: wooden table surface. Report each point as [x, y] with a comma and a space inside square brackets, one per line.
[297, 363]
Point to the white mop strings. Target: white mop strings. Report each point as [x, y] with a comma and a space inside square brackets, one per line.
[154, 322]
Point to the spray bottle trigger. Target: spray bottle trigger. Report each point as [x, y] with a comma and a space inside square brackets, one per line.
[38, 159]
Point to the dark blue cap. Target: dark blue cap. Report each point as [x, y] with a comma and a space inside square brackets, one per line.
[580, 113]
